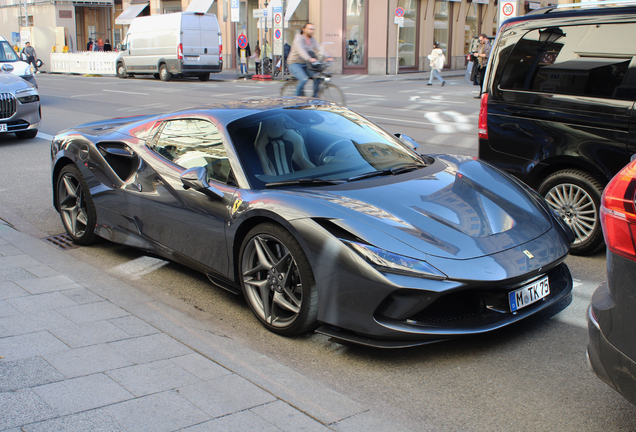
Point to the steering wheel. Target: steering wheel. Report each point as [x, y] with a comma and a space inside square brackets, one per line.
[332, 149]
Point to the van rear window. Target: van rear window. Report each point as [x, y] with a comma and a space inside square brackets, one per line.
[590, 60]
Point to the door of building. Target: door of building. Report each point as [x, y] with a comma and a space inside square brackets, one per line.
[355, 23]
[443, 28]
[409, 35]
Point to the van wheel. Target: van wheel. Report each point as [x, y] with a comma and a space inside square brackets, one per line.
[576, 197]
[121, 71]
[164, 73]
[204, 77]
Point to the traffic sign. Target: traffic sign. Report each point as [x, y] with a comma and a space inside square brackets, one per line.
[242, 41]
[258, 13]
[277, 34]
[235, 15]
[399, 20]
[508, 9]
[399, 12]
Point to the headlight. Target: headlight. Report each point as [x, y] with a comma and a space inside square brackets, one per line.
[394, 263]
[31, 96]
[28, 71]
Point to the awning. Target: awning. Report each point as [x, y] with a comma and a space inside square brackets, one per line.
[131, 12]
[291, 8]
[199, 6]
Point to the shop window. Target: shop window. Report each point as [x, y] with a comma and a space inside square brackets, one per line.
[407, 44]
[355, 15]
[441, 26]
[471, 29]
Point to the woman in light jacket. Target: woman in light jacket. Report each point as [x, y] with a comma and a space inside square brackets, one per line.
[437, 64]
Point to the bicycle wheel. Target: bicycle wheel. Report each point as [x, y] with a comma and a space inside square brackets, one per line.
[332, 93]
[289, 88]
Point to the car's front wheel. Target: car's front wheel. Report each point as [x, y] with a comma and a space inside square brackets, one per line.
[121, 70]
[277, 280]
[76, 206]
[576, 197]
[164, 73]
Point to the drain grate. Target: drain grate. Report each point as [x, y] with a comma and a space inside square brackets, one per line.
[63, 241]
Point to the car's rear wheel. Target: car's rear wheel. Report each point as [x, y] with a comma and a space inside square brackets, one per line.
[76, 206]
[576, 197]
[31, 133]
[164, 73]
[121, 71]
[277, 280]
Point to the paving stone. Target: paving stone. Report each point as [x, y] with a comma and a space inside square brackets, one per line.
[4, 332]
[47, 320]
[82, 394]
[10, 290]
[80, 335]
[15, 274]
[47, 284]
[25, 373]
[93, 421]
[364, 422]
[153, 377]
[226, 395]
[288, 418]
[41, 302]
[30, 345]
[134, 326]
[244, 421]
[9, 250]
[22, 407]
[166, 411]
[82, 295]
[7, 309]
[91, 312]
[18, 261]
[146, 349]
[41, 271]
[87, 360]
[200, 366]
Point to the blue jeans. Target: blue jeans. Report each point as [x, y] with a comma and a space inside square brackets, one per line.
[435, 74]
[302, 74]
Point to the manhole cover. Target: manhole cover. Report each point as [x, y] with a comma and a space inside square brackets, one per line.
[63, 241]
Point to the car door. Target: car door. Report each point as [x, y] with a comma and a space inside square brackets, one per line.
[184, 221]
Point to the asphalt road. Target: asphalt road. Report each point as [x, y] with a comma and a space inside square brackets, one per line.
[530, 376]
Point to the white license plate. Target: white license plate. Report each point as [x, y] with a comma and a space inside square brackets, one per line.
[192, 57]
[529, 294]
[3, 127]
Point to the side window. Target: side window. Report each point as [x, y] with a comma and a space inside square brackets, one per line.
[192, 143]
[585, 60]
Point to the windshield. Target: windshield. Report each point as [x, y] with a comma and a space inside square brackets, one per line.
[7, 54]
[317, 142]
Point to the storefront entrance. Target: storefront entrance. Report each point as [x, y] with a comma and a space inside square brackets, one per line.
[409, 35]
[356, 20]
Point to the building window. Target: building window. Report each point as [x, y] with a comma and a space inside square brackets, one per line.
[471, 29]
[407, 44]
[441, 26]
[355, 20]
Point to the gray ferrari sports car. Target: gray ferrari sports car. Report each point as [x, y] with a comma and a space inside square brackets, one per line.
[322, 219]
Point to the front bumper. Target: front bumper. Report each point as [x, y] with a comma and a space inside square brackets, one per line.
[26, 117]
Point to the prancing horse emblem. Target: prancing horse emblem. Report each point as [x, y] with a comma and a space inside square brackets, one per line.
[528, 254]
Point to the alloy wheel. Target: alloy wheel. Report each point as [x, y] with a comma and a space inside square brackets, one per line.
[272, 281]
[72, 205]
[576, 208]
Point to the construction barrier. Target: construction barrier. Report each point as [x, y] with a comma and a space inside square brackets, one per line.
[88, 62]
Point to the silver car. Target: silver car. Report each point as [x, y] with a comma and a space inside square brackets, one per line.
[19, 106]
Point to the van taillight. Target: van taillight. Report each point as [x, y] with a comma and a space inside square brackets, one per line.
[180, 51]
[618, 217]
[220, 49]
[482, 126]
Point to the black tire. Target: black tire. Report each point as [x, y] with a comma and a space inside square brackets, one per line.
[270, 253]
[121, 71]
[576, 196]
[27, 134]
[289, 88]
[164, 73]
[332, 93]
[204, 77]
[76, 206]
[156, 75]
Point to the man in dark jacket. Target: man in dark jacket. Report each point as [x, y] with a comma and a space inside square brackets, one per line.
[31, 55]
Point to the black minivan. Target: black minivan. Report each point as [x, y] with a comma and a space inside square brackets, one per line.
[558, 109]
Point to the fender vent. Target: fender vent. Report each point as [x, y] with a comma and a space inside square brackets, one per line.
[62, 241]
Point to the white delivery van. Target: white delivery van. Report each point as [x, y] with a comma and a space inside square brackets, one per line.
[182, 43]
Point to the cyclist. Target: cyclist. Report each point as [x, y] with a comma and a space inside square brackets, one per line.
[303, 51]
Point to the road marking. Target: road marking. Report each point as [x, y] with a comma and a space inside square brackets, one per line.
[459, 123]
[45, 136]
[125, 92]
[361, 94]
[400, 120]
[86, 95]
[412, 98]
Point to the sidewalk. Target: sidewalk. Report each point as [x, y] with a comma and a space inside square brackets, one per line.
[83, 351]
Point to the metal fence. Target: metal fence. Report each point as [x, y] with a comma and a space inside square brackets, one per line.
[88, 62]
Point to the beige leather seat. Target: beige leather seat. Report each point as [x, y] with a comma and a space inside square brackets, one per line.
[280, 150]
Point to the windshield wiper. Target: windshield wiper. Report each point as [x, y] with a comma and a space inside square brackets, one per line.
[388, 171]
[304, 181]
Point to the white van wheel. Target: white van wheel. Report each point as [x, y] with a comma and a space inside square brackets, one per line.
[121, 71]
[164, 73]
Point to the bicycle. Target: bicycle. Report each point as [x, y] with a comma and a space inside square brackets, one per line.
[326, 90]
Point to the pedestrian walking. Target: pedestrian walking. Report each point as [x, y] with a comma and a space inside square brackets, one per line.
[304, 50]
[437, 60]
[482, 55]
[31, 55]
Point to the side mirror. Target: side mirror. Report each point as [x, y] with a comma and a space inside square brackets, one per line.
[7, 67]
[197, 179]
[408, 140]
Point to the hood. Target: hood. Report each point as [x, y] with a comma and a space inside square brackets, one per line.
[459, 208]
[14, 81]
[135, 126]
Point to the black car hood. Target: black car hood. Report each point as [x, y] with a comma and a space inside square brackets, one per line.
[462, 209]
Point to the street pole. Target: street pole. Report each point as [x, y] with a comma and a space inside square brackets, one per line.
[282, 62]
[397, 50]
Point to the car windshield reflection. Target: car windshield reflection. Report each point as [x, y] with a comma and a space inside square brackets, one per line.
[326, 143]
